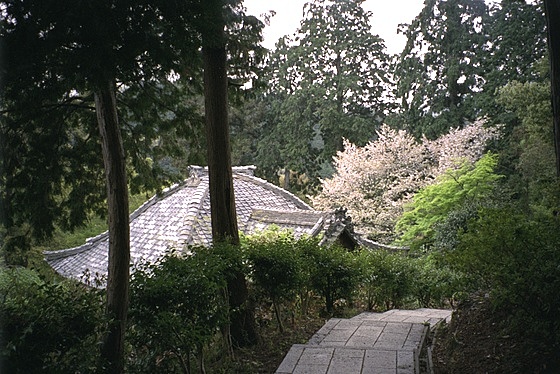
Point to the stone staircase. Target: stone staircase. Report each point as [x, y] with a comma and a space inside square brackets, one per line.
[369, 343]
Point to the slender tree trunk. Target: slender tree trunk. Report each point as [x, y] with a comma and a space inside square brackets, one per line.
[277, 312]
[552, 12]
[222, 199]
[200, 358]
[286, 178]
[112, 350]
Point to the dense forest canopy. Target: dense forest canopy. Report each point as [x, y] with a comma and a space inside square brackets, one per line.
[446, 148]
[331, 80]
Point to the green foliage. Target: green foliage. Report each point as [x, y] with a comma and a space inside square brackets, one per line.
[176, 307]
[334, 273]
[439, 70]
[433, 203]
[285, 267]
[47, 326]
[388, 278]
[14, 245]
[515, 256]
[276, 267]
[327, 82]
[531, 143]
[517, 35]
[448, 230]
[531, 102]
[57, 176]
[394, 279]
[436, 284]
[459, 53]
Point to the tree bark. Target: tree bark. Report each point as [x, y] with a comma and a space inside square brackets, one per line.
[222, 200]
[552, 12]
[286, 178]
[112, 350]
[220, 178]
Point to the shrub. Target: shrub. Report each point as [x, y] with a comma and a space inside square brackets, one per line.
[516, 257]
[177, 306]
[275, 268]
[436, 284]
[47, 326]
[333, 272]
[447, 232]
[387, 278]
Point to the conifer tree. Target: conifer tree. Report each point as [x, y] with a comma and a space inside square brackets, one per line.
[439, 71]
[328, 81]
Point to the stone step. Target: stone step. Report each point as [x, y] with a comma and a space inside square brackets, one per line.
[320, 360]
[387, 342]
[422, 315]
[369, 334]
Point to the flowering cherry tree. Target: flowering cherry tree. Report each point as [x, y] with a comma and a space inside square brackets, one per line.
[461, 144]
[375, 181]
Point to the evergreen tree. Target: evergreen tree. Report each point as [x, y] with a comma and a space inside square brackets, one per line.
[327, 82]
[220, 179]
[517, 42]
[439, 70]
[68, 62]
[552, 14]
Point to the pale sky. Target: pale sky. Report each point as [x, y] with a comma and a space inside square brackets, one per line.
[387, 15]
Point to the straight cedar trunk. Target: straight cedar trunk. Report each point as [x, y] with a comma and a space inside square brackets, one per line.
[112, 350]
[552, 12]
[222, 201]
[220, 178]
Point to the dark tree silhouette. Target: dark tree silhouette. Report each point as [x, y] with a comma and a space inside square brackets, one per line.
[222, 199]
[552, 11]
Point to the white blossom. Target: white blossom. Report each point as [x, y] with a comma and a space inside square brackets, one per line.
[374, 182]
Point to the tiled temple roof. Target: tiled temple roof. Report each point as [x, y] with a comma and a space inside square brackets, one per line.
[180, 216]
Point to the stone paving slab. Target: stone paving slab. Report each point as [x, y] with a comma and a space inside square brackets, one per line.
[316, 360]
[370, 343]
[370, 334]
[418, 315]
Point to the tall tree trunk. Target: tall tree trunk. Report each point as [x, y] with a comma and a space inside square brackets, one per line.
[552, 12]
[112, 350]
[222, 199]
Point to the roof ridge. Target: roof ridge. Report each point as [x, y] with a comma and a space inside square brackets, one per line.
[61, 253]
[289, 210]
[194, 205]
[203, 170]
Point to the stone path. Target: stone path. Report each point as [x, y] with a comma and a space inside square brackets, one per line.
[369, 343]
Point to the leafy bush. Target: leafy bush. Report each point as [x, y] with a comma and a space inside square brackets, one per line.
[333, 272]
[433, 203]
[177, 306]
[47, 326]
[447, 232]
[305, 247]
[436, 284]
[276, 267]
[516, 257]
[387, 280]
